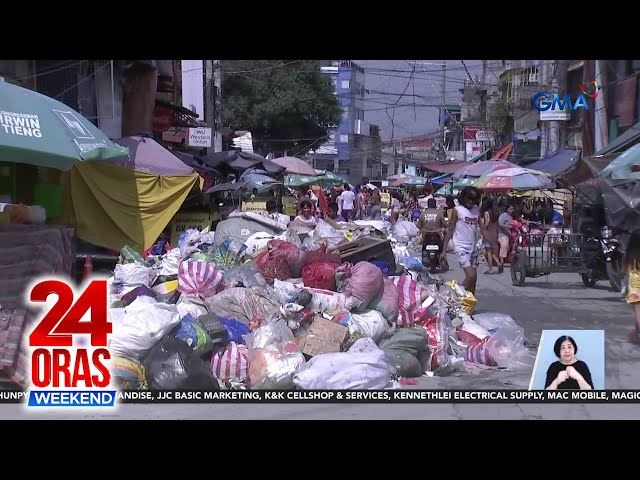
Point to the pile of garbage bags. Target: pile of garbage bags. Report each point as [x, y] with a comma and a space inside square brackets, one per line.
[285, 314]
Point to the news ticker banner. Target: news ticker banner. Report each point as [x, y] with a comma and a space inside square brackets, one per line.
[111, 398]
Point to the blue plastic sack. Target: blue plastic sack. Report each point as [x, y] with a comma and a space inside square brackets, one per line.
[193, 334]
[384, 266]
[159, 248]
[412, 263]
[235, 329]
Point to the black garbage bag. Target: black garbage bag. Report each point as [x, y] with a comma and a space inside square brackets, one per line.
[215, 329]
[172, 364]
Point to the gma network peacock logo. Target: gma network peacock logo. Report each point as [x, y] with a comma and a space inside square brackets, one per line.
[540, 101]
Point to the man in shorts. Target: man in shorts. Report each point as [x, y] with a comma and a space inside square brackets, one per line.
[463, 229]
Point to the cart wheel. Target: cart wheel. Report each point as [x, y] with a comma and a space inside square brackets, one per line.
[518, 270]
[588, 280]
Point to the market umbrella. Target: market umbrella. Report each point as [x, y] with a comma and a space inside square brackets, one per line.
[619, 182]
[328, 178]
[479, 169]
[260, 182]
[441, 179]
[296, 166]
[227, 187]
[454, 188]
[622, 204]
[516, 178]
[147, 155]
[410, 180]
[448, 190]
[239, 161]
[626, 166]
[39, 130]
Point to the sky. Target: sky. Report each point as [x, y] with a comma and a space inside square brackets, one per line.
[398, 97]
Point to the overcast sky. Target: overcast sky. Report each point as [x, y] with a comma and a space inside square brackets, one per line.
[395, 113]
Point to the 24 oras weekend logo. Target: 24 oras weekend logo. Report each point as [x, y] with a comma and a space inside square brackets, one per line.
[69, 345]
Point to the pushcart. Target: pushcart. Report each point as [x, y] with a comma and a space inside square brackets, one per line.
[542, 254]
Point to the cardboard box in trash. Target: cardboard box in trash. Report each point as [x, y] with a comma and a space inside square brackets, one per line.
[323, 336]
[368, 249]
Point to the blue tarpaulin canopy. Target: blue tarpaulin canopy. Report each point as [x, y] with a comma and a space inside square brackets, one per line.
[557, 164]
[441, 179]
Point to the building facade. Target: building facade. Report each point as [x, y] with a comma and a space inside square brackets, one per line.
[354, 148]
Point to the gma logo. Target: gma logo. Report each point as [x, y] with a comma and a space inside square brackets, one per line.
[540, 101]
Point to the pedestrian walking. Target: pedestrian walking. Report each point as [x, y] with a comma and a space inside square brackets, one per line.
[463, 230]
[489, 231]
[632, 269]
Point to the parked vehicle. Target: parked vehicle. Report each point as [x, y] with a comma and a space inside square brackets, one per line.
[613, 252]
[564, 252]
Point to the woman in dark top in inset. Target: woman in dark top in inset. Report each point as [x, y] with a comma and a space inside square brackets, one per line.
[569, 373]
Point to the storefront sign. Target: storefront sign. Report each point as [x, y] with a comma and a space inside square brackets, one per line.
[200, 137]
[162, 119]
[477, 134]
[257, 207]
[182, 222]
[559, 115]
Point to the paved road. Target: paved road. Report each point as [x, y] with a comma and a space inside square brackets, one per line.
[559, 301]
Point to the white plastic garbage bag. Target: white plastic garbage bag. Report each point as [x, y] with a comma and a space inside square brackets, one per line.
[256, 242]
[142, 325]
[363, 366]
[474, 328]
[404, 231]
[170, 263]
[192, 305]
[370, 323]
[130, 276]
[380, 225]
[188, 240]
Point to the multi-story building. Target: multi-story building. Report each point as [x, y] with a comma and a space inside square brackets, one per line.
[353, 148]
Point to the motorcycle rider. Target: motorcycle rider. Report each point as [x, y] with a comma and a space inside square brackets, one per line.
[431, 220]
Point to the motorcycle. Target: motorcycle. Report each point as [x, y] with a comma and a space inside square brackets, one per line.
[517, 239]
[613, 253]
[431, 250]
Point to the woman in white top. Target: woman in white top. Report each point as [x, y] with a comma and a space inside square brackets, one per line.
[305, 219]
[463, 228]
